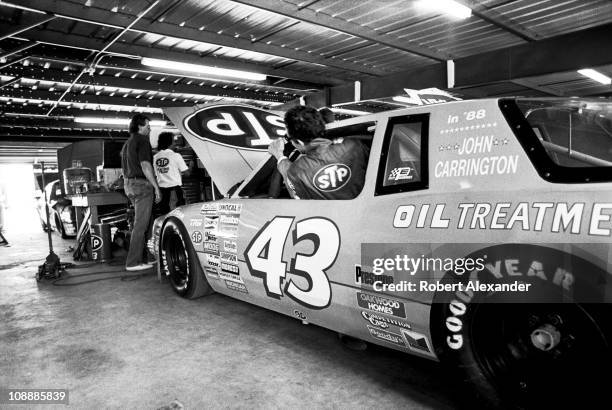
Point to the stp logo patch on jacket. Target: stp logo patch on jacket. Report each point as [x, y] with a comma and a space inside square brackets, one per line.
[332, 177]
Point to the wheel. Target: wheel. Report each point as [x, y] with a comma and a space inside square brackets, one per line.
[179, 261]
[545, 347]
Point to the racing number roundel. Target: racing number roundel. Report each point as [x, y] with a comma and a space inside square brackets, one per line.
[264, 259]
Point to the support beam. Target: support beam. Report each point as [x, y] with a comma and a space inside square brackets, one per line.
[29, 113]
[554, 55]
[569, 52]
[13, 31]
[94, 15]
[19, 49]
[131, 50]
[492, 17]
[523, 82]
[89, 98]
[323, 20]
[97, 80]
[10, 82]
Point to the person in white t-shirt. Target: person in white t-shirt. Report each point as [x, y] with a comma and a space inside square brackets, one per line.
[169, 166]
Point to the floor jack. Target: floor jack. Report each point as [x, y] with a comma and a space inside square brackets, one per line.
[52, 268]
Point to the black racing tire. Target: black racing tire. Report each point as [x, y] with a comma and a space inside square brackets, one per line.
[180, 262]
[511, 350]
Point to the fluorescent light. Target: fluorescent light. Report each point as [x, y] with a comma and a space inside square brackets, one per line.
[450, 7]
[596, 75]
[115, 121]
[202, 69]
[96, 120]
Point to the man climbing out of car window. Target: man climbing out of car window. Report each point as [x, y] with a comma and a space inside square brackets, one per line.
[325, 169]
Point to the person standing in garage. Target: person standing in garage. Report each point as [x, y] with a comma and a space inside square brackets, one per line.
[140, 187]
[169, 166]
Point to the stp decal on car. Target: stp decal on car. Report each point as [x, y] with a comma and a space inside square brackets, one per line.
[236, 126]
[264, 258]
[381, 304]
[331, 177]
[196, 237]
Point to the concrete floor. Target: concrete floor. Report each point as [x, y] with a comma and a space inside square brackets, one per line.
[135, 344]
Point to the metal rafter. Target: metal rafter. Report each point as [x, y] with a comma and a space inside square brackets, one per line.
[52, 75]
[509, 64]
[95, 15]
[136, 51]
[321, 19]
[28, 113]
[13, 31]
[492, 17]
[19, 49]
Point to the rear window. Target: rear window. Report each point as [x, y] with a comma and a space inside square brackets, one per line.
[568, 140]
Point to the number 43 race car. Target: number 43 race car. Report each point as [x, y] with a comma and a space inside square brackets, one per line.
[481, 238]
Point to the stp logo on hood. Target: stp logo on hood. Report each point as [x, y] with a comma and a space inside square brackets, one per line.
[332, 177]
[236, 126]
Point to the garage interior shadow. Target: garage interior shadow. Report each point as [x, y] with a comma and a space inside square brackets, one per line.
[135, 344]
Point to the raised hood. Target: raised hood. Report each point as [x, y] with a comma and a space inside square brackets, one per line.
[230, 139]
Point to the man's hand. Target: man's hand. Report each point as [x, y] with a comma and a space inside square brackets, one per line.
[277, 147]
[157, 195]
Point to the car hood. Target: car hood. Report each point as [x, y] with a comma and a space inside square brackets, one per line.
[230, 139]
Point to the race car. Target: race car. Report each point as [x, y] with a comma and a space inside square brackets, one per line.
[481, 238]
[61, 212]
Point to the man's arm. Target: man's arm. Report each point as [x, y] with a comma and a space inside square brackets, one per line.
[147, 168]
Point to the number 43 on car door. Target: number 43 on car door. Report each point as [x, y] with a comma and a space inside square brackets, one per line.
[264, 258]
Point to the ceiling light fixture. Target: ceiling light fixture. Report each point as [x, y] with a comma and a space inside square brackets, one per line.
[115, 121]
[202, 69]
[596, 75]
[450, 7]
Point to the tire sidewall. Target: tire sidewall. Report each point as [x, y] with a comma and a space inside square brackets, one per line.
[172, 226]
[453, 313]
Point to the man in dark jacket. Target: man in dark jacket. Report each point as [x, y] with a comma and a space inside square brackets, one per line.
[140, 187]
[325, 169]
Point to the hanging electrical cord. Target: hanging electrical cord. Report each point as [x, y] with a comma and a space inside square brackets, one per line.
[99, 55]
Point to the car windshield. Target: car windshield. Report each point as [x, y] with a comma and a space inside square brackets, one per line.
[575, 133]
